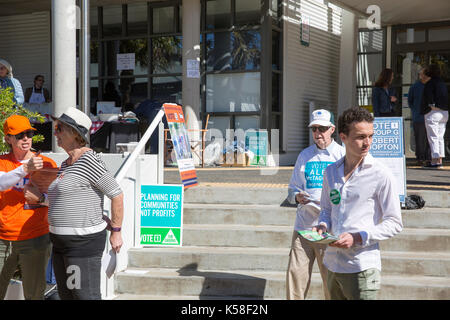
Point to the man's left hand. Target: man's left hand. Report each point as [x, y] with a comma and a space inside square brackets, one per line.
[347, 240]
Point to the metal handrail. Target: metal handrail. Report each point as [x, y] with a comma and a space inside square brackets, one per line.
[132, 157]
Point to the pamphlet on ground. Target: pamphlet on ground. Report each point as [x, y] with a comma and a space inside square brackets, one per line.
[315, 237]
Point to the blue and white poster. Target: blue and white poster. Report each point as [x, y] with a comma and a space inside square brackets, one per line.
[161, 215]
[388, 146]
[314, 171]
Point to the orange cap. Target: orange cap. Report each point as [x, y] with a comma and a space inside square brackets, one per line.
[16, 124]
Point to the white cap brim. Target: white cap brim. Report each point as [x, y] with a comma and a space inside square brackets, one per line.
[321, 123]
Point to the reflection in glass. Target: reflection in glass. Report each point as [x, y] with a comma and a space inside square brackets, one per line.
[137, 18]
[94, 95]
[439, 34]
[237, 50]
[248, 12]
[275, 50]
[409, 65]
[410, 35]
[112, 21]
[163, 20]
[94, 59]
[93, 20]
[237, 92]
[167, 89]
[134, 90]
[442, 59]
[275, 92]
[364, 96]
[370, 41]
[246, 122]
[136, 46]
[167, 55]
[218, 14]
[217, 129]
[368, 68]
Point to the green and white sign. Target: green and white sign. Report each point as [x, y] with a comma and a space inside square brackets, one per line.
[257, 141]
[161, 215]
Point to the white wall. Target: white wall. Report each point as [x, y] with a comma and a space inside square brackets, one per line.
[309, 73]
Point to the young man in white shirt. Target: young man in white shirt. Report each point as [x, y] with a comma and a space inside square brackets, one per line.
[359, 204]
[307, 180]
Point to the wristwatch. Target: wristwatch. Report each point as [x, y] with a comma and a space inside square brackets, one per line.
[42, 198]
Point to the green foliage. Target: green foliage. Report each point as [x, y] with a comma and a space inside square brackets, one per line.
[9, 108]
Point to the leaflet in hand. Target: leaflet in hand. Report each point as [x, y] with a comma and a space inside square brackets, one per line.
[315, 237]
[313, 203]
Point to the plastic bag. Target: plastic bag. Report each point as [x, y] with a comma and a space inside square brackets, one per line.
[212, 154]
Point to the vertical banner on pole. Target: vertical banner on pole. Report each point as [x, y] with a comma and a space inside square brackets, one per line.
[181, 145]
[388, 146]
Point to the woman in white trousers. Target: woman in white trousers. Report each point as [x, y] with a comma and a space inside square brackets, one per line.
[435, 111]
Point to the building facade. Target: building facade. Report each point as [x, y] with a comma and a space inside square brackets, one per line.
[253, 64]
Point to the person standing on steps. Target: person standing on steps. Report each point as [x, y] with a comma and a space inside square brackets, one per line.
[360, 205]
[304, 189]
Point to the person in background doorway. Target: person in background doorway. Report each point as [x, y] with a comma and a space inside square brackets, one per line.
[304, 189]
[24, 238]
[435, 111]
[76, 222]
[7, 80]
[360, 205]
[420, 133]
[37, 93]
[383, 96]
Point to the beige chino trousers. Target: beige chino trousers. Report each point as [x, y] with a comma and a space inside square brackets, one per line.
[301, 260]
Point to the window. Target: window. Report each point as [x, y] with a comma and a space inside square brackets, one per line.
[150, 33]
[370, 62]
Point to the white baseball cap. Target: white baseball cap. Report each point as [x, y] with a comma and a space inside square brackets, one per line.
[322, 117]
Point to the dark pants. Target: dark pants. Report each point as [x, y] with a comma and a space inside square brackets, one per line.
[77, 278]
[32, 256]
[422, 146]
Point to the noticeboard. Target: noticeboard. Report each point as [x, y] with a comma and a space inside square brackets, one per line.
[388, 146]
[161, 215]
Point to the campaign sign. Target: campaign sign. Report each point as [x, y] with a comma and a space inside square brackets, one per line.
[161, 215]
[314, 171]
[257, 141]
[388, 146]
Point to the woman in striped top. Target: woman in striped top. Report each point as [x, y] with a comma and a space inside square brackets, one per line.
[77, 230]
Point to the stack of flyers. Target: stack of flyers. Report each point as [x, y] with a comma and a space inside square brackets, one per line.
[315, 237]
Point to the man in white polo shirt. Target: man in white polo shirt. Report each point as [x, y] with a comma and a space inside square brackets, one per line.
[360, 205]
[304, 189]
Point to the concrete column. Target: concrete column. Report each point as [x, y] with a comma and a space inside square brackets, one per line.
[191, 51]
[347, 65]
[64, 77]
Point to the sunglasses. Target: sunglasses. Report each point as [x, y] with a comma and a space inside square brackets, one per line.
[59, 128]
[321, 129]
[21, 135]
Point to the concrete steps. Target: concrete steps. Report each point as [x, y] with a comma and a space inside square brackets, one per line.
[195, 213]
[236, 245]
[280, 237]
[260, 284]
[435, 264]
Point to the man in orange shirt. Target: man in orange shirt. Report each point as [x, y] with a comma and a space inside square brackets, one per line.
[24, 238]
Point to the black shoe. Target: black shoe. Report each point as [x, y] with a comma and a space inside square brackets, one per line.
[433, 165]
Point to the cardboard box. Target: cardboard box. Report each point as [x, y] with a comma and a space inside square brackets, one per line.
[236, 159]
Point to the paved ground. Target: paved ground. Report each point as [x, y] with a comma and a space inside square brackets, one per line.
[416, 177]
